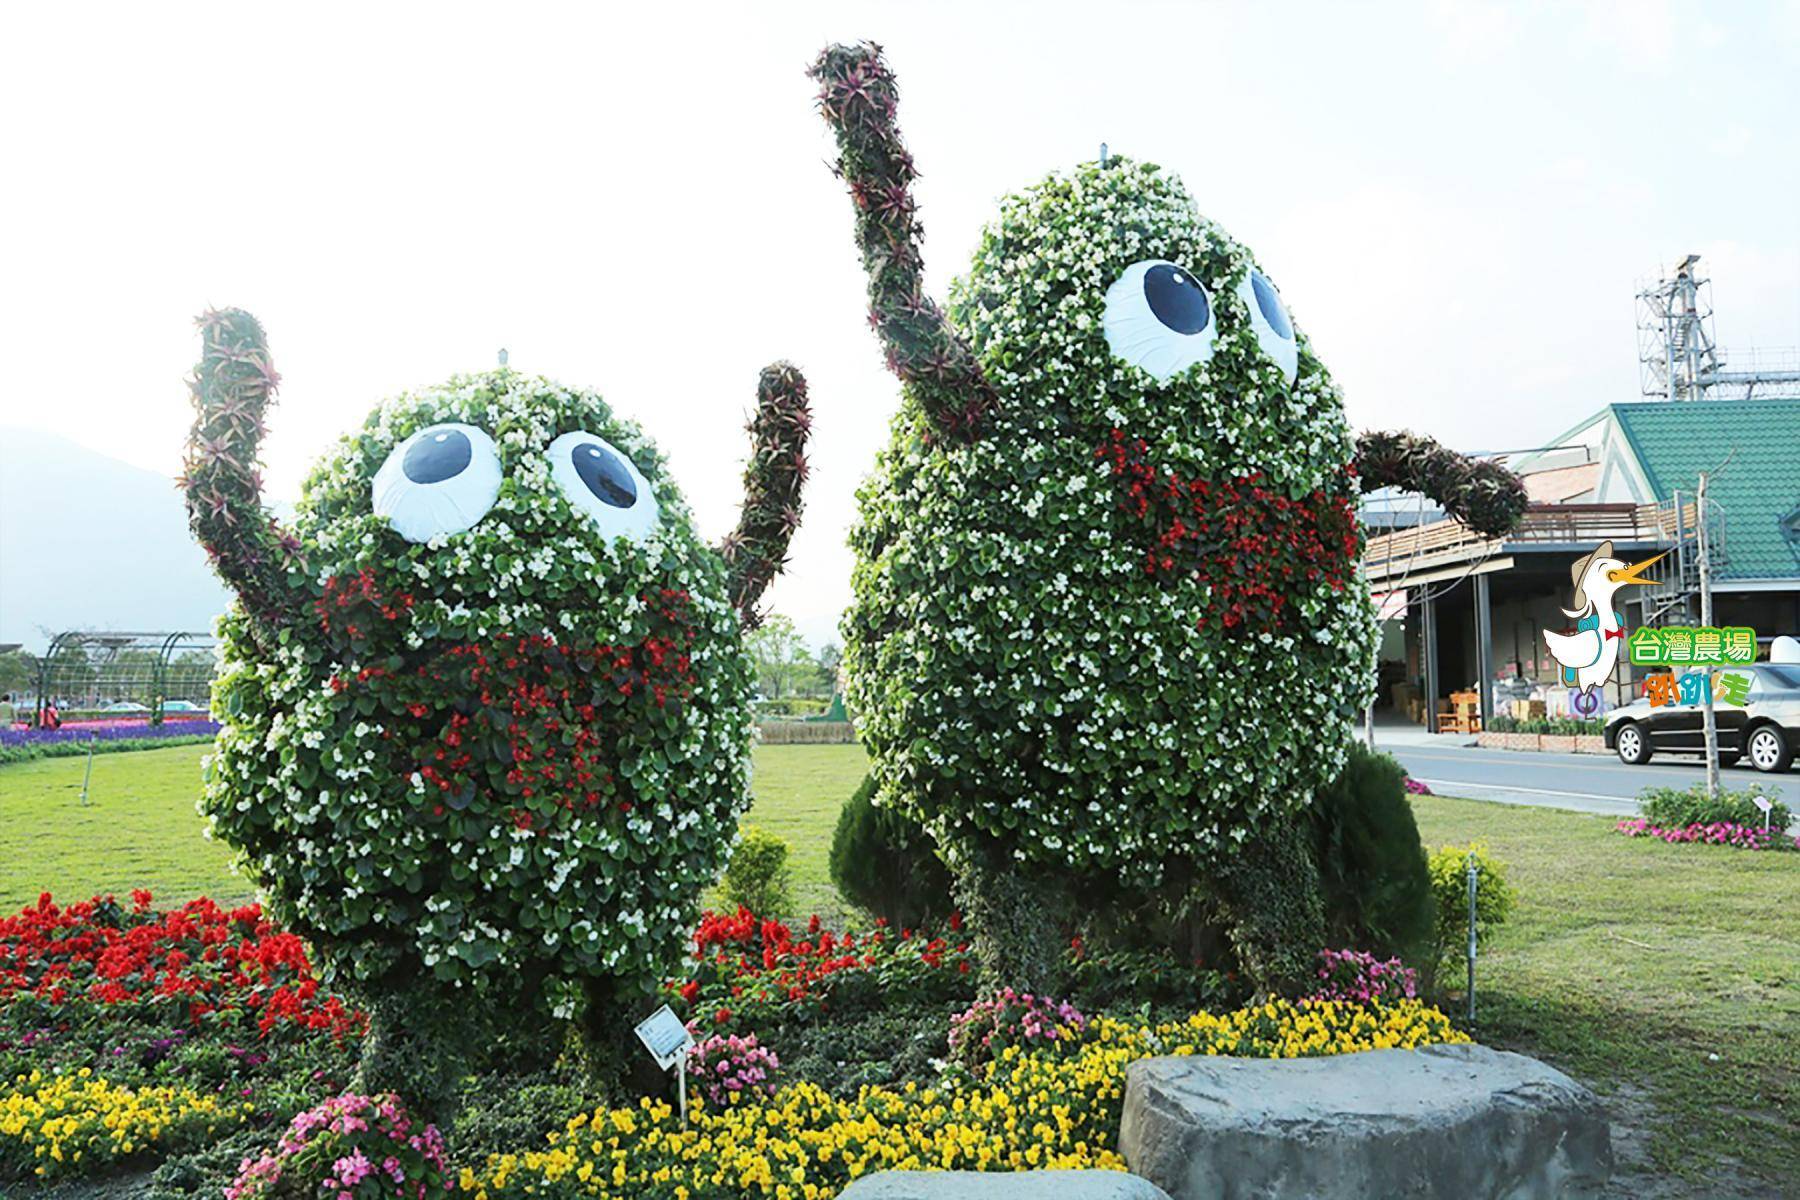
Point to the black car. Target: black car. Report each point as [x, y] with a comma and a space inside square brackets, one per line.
[1766, 728]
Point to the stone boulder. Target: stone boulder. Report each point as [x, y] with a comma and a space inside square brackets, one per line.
[1002, 1185]
[1457, 1122]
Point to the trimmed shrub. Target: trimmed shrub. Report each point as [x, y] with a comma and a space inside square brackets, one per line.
[1450, 887]
[884, 862]
[1678, 808]
[758, 877]
[1371, 862]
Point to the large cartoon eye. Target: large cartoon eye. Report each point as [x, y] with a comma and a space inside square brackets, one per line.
[1159, 318]
[604, 484]
[1269, 317]
[440, 480]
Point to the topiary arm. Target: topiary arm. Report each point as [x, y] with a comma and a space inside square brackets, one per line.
[1483, 495]
[756, 550]
[231, 390]
[858, 98]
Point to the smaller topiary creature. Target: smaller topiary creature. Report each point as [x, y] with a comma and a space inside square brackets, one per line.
[487, 713]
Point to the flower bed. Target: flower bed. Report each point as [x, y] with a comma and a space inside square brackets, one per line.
[18, 745]
[349, 1146]
[1055, 1107]
[189, 962]
[745, 970]
[71, 1124]
[1714, 833]
[129, 1033]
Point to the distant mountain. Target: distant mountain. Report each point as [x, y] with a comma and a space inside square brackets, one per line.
[89, 542]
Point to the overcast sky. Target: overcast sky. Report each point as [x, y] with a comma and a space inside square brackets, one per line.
[1457, 201]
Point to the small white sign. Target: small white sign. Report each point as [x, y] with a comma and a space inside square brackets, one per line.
[665, 1037]
[1763, 802]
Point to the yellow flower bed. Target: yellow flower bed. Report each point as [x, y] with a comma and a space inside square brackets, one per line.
[1057, 1107]
[74, 1123]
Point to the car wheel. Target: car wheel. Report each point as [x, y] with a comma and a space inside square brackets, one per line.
[1769, 751]
[1633, 746]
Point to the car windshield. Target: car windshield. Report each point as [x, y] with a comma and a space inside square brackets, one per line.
[1786, 678]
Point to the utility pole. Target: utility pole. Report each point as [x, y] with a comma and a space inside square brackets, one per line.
[1706, 620]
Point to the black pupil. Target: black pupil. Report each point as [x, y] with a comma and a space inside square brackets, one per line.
[605, 475]
[1176, 299]
[438, 456]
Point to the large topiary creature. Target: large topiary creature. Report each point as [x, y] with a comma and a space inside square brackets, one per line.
[1107, 628]
[487, 711]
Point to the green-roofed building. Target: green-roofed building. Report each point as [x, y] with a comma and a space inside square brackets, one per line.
[1626, 475]
[1651, 451]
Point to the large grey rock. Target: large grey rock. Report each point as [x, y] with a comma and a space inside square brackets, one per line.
[1457, 1122]
[1002, 1185]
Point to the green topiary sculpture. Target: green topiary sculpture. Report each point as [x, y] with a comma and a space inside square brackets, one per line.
[1107, 622]
[487, 711]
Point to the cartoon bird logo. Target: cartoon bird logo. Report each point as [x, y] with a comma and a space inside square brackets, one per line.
[1589, 654]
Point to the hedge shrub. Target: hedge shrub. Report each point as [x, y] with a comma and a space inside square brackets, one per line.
[1372, 866]
[758, 877]
[1677, 808]
[883, 862]
[1450, 888]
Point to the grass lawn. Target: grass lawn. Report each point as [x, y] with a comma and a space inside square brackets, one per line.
[1667, 977]
[138, 830]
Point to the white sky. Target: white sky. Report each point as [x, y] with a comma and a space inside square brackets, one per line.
[1455, 199]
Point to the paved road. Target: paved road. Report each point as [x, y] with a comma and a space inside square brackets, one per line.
[1587, 782]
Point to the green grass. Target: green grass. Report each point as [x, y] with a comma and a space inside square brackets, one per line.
[1667, 977]
[1630, 964]
[798, 791]
[138, 830]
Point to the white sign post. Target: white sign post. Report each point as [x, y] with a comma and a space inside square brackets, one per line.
[668, 1042]
[1764, 803]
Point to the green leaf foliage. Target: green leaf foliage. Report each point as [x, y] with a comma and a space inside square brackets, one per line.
[758, 877]
[883, 862]
[1677, 808]
[1372, 864]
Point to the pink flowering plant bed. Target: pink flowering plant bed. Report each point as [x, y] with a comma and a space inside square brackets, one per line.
[1729, 818]
[1359, 977]
[1714, 833]
[350, 1147]
[980, 1032]
[727, 1068]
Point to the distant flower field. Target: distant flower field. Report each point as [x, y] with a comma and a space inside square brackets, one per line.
[135, 733]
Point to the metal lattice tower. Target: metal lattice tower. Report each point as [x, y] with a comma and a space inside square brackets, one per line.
[1679, 357]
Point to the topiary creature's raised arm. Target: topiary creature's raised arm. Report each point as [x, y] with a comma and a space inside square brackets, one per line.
[232, 388]
[756, 550]
[857, 97]
[1482, 495]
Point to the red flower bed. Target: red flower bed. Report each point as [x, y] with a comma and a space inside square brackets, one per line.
[741, 962]
[199, 957]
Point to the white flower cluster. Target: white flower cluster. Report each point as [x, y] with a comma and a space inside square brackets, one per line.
[1018, 675]
[323, 776]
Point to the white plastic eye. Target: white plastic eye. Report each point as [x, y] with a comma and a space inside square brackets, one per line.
[1159, 318]
[601, 482]
[1269, 317]
[440, 480]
